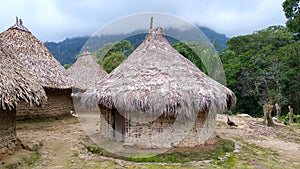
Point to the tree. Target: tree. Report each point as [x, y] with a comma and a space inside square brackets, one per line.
[254, 66]
[112, 61]
[123, 46]
[291, 10]
[290, 68]
[111, 55]
[102, 52]
[204, 57]
[184, 49]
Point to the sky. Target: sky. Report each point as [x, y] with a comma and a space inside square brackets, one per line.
[55, 20]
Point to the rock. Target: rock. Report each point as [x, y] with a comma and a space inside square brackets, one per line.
[33, 147]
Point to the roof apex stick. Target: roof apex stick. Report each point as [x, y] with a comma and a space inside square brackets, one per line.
[17, 20]
[151, 23]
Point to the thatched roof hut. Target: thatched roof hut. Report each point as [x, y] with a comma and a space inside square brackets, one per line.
[34, 56]
[85, 72]
[15, 85]
[158, 81]
[39, 62]
[156, 78]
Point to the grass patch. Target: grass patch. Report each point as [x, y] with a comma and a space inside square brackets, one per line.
[253, 156]
[250, 156]
[175, 155]
[289, 133]
[25, 159]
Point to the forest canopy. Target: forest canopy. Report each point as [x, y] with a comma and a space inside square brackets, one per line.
[263, 67]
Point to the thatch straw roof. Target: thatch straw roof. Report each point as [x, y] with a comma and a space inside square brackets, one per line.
[16, 84]
[156, 79]
[34, 56]
[85, 72]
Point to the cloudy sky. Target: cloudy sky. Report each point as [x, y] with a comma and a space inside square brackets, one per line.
[55, 20]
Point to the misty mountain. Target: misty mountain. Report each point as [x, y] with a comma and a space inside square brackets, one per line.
[66, 51]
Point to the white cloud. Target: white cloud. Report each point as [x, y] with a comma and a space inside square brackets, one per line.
[55, 20]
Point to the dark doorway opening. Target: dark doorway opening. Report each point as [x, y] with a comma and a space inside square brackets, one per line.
[118, 126]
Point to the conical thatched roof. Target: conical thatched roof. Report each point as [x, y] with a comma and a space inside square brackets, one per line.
[156, 79]
[85, 72]
[16, 84]
[34, 56]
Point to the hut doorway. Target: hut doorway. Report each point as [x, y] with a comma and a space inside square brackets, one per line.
[118, 126]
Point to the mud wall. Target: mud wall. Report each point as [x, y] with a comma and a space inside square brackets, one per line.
[59, 103]
[8, 140]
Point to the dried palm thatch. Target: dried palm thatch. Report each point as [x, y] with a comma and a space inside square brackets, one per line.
[34, 56]
[157, 80]
[16, 84]
[85, 72]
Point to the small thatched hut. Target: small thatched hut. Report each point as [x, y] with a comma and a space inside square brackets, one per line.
[15, 85]
[85, 73]
[151, 98]
[40, 63]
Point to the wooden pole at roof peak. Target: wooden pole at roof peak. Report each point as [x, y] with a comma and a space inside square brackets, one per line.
[151, 23]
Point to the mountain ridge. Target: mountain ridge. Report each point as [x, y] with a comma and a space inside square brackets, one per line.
[67, 50]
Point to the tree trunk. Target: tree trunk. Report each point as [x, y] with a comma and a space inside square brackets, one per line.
[278, 111]
[291, 109]
[267, 108]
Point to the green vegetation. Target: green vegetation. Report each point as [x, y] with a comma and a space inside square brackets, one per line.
[291, 10]
[112, 61]
[101, 53]
[110, 56]
[296, 118]
[263, 67]
[184, 49]
[66, 50]
[250, 156]
[66, 66]
[176, 155]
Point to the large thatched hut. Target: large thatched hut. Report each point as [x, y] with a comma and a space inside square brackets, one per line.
[157, 98]
[85, 73]
[15, 85]
[40, 63]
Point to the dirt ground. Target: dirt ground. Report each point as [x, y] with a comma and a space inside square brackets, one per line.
[59, 145]
[284, 140]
